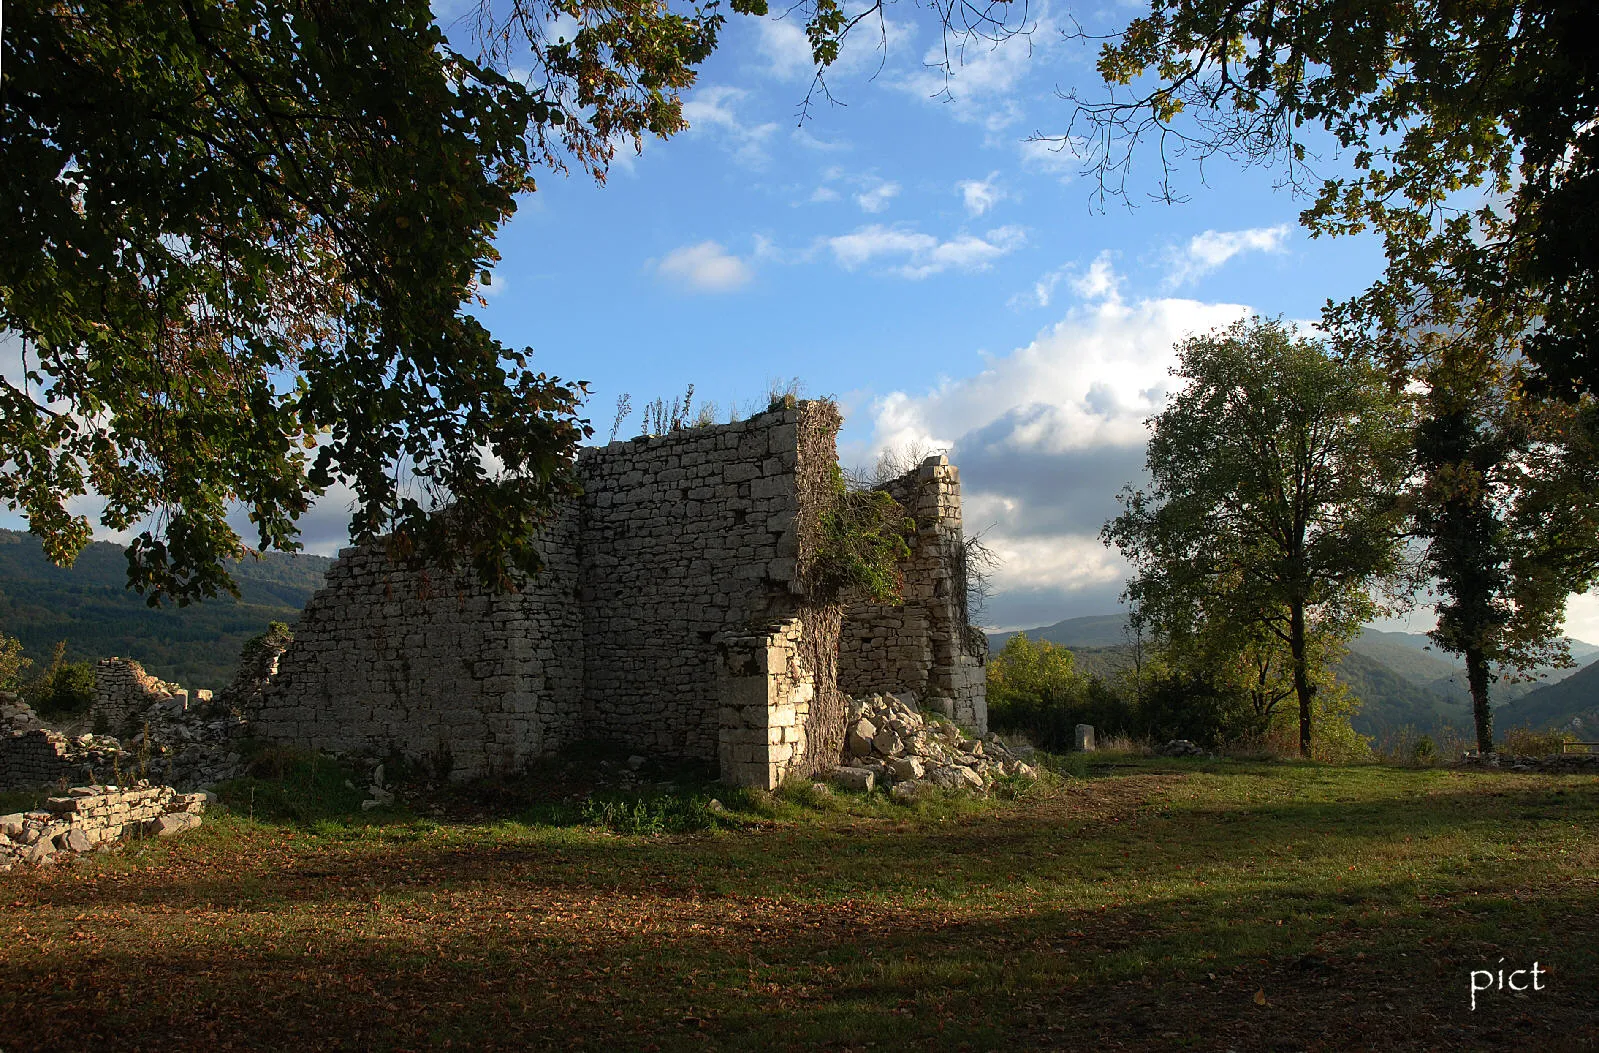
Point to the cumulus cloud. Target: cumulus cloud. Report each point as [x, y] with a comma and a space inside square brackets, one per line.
[1046, 436]
[714, 110]
[980, 195]
[1206, 252]
[877, 198]
[705, 267]
[921, 255]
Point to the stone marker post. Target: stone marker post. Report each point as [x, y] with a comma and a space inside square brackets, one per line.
[1085, 738]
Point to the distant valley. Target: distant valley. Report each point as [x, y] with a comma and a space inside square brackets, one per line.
[91, 608]
[1402, 679]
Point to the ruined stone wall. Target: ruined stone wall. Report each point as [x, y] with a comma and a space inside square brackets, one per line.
[123, 690]
[923, 644]
[677, 540]
[42, 756]
[432, 665]
[89, 817]
[685, 537]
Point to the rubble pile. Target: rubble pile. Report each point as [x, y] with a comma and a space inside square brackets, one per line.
[187, 743]
[889, 743]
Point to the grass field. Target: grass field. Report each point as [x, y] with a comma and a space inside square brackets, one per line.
[1151, 905]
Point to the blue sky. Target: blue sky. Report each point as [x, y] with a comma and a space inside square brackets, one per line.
[911, 253]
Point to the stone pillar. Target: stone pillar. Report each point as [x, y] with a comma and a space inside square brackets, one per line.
[764, 695]
[1085, 738]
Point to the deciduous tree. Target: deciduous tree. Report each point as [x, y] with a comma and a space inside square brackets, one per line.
[1273, 504]
[237, 241]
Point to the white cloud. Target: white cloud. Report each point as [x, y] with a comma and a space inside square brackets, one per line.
[1098, 281]
[877, 198]
[705, 267]
[782, 43]
[1208, 251]
[1047, 434]
[805, 138]
[713, 110]
[823, 194]
[983, 77]
[1057, 156]
[922, 255]
[980, 195]
[786, 52]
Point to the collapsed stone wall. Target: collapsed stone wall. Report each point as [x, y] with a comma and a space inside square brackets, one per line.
[923, 644]
[90, 817]
[123, 690]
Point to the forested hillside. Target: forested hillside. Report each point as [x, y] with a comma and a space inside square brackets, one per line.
[90, 607]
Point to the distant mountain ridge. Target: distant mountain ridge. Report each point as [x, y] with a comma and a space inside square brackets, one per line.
[89, 606]
[1402, 678]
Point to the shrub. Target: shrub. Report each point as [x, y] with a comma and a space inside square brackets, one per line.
[12, 664]
[861, 543]
[64, 689]
[1034, 688]
[1525, 742]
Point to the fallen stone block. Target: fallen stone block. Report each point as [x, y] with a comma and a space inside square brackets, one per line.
[862, 779]
[172, 823]
[907, 767]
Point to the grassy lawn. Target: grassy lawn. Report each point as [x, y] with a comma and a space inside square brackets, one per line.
[1154, 904]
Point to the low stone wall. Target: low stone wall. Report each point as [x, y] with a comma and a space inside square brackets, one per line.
[89, 817]
[764, 691]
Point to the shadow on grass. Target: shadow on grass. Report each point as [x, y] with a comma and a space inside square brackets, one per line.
[486, 950]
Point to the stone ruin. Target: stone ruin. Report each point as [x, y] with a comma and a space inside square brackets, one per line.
[674, 617]
[143, 726]
[92, 818]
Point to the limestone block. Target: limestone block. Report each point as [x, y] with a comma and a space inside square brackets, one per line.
[907, 767]
[859, 738]
[852, 778]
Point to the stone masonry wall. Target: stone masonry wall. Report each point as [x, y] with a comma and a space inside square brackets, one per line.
[923, 644]
[685, 537]
[89, 817]
[677, 540]
[122, 690]
[432, 665]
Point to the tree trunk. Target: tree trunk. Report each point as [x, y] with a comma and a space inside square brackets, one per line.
[1302, 685]
[1477, 676]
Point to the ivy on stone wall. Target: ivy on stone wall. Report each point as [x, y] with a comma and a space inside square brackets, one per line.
[862, 540]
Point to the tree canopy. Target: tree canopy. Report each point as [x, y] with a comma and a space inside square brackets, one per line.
[1469, 128]
[238, 241]
[1273, 507]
